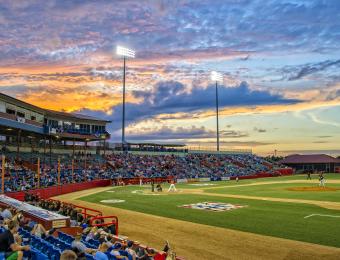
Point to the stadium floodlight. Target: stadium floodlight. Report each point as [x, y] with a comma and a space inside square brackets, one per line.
[125, 53]
[217, 77]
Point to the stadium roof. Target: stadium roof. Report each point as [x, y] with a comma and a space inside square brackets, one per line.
[157, 144]
[74, 116]
[44, 111]
[309, 158]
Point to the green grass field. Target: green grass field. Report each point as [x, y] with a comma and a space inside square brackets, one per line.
[279, 219]
[281, 191]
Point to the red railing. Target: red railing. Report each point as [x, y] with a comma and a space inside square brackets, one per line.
[114, 221]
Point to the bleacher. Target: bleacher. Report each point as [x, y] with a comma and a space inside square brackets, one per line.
[52, 246]
[188, 166]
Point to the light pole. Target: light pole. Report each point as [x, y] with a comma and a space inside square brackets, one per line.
[125, 53]
[217, 77]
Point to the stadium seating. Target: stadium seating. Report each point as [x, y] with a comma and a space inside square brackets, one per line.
[130, 165]
[51, 246]
[188, 166]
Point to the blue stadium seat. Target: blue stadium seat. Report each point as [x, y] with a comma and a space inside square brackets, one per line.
[89, 257]
[36, 255]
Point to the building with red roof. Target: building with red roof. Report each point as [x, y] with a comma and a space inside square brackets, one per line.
[312, 162]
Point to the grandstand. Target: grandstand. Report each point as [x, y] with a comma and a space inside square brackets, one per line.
[27, 128]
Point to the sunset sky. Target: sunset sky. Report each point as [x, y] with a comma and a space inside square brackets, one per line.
[280, 60]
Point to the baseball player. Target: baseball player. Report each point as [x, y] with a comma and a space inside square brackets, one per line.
[172, 186]
[322, 180]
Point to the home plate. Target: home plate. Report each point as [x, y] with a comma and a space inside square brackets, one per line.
[112, 201]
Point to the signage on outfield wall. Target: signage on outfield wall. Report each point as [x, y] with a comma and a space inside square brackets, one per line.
[204, 179]
[225, 178]
[182, 180]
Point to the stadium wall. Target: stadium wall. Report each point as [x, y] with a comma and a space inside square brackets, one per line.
[59, 190]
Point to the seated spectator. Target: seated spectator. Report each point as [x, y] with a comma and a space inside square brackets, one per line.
[68, 255]
[130, 250]
[102, 238]
[91, 233]
[80, 246]
[150, 253]
[100, 254]
[18, 217]
[116, 251]
[80, 217]
[6, 214]
[8, 244]
[39, 231]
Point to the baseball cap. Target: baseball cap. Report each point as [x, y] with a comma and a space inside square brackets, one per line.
[117, 246]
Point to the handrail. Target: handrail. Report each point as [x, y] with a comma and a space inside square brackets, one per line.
[113, 221]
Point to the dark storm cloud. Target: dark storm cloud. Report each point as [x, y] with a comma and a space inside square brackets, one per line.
[172, 97]
[311, 68]
[181, 133]
[167, 133]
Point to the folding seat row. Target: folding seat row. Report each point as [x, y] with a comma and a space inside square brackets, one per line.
[43, 247]
[65, 237]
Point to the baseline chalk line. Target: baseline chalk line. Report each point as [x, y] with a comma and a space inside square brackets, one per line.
[322, 215]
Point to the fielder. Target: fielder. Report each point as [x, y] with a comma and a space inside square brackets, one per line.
[172, 186]
[322, 180]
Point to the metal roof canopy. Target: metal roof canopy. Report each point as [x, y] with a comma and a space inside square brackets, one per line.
[309, 158]
[155, 144]
[48, 112]
[13, 132]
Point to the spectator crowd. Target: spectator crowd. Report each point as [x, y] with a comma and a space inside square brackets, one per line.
[21, 237]
[188, 166]
[19, 177]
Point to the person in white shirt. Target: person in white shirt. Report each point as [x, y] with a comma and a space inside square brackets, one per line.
[130, 250]
[172, 186]
[6, 214]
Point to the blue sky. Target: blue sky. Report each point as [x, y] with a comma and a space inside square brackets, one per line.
[280, 61]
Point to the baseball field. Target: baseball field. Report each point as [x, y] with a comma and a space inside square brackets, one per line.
[272, 218]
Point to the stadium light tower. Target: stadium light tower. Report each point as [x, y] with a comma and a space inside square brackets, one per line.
[125, 53]
[217, 77]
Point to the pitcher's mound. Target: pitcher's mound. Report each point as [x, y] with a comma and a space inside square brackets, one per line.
[313, 189]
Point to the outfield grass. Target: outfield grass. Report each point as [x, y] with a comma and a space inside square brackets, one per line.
[280, 190]
[279, 219]
[300, 177]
